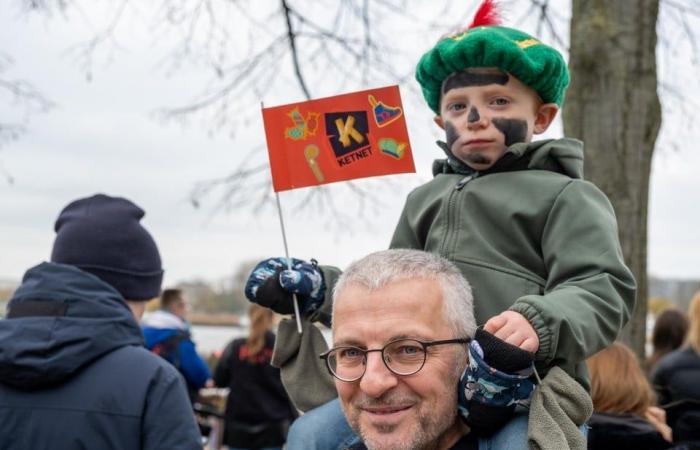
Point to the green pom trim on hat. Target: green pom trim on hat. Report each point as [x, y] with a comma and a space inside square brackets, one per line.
[538, 66]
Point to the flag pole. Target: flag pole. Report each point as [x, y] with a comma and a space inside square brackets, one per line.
[289, 261]
[286, 250]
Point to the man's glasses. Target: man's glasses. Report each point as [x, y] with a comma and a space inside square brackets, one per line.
[402, 357]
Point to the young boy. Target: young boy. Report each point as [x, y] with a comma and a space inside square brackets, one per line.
[538, 244]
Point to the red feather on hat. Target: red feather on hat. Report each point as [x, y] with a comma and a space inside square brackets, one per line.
[486, 15]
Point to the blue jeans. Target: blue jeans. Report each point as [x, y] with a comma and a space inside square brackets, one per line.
[321, 428]
[325, 428]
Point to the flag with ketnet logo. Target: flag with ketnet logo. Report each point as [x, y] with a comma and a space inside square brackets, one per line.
[344, 137]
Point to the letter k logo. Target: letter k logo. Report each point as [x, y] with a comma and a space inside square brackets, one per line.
[346, 130]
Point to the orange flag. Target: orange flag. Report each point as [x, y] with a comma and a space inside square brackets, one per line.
[348, 136]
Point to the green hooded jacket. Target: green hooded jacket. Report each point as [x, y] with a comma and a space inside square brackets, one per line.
[530, 235]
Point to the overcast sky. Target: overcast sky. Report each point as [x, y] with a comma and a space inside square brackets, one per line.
[101, 137]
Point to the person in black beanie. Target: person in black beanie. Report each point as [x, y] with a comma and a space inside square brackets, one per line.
[73, 370]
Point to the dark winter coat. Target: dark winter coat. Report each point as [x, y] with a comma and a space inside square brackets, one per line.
[610, 431]
[74, 373]
[676, 379]
[258, 410]
[677, 375]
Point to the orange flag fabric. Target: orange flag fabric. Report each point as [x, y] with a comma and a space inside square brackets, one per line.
[339, 138]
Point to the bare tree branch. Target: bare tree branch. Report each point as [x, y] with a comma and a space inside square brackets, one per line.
[291, 36]
[24, 97]
[85, 52]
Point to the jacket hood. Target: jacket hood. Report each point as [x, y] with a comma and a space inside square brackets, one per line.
[59, 320]
[163, 319]
[564, 156]
[159, 326]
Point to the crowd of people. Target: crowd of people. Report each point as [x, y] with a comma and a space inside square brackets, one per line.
[490, 323]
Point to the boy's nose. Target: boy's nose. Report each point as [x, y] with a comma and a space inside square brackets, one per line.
[377, 378]
[475, 119]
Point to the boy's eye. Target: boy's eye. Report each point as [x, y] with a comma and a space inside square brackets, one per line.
[456, 107]
[500, 101]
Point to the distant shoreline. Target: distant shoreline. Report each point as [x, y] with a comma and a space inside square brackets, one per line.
[219, 319]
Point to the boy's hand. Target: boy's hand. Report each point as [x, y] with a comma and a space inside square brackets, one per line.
[515, 329]
[271, 285]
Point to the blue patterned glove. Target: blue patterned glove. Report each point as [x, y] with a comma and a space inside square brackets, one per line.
[496, 380]
[271, 284]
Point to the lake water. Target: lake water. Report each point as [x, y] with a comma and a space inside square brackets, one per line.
[212, 338]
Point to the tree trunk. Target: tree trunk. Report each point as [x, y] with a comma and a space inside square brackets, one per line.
[612, 105]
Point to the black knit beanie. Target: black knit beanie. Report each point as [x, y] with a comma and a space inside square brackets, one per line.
[102, 235]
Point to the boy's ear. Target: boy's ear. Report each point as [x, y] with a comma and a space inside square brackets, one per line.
[439, 122]
[544, 116]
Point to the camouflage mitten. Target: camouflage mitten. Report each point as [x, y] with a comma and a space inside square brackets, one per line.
[271, 284]
[495, 381]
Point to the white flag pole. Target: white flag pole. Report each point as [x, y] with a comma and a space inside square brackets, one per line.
[286, 250]
[289, 261]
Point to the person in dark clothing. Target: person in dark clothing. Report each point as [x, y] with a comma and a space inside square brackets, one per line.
[669, 333]
[675, 379]
[258, 410]
[73, 370]
[623, 401]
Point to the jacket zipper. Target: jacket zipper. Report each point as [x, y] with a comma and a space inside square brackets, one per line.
[464, 181]
[451, 213]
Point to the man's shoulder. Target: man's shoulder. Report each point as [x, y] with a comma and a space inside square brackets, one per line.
[684, 357]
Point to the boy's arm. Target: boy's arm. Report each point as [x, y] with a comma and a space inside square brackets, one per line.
[590, 293]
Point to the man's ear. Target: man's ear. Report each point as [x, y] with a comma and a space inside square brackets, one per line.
[544, 116]
[439, 122]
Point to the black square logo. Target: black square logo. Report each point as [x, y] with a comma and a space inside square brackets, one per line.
[347, 131]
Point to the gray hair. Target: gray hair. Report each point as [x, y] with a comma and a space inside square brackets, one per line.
[381, 268]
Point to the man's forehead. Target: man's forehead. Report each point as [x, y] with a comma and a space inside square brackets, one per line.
[475, 76]
[409, 308]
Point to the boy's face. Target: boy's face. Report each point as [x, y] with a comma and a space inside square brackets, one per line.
[485, 110]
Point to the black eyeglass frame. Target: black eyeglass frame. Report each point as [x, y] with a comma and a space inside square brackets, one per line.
[425, 346]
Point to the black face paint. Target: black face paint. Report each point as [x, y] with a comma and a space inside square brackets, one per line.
[514, 130]
[466, 78]
[451, 134]
[478, 158]
[473, 115]
[451, 137]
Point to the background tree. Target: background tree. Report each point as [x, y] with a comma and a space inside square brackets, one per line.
[20, 100]
[613, 106]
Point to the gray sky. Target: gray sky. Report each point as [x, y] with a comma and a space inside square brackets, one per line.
[102, 137]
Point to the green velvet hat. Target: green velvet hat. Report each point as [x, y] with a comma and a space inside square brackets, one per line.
[538, 66]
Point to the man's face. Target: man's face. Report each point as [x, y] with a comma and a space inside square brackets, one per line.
[485, 110]
[390, 411]
[179, 308]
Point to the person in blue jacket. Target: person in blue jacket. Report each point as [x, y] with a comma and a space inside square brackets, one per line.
[167, 333]
[73, 370]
